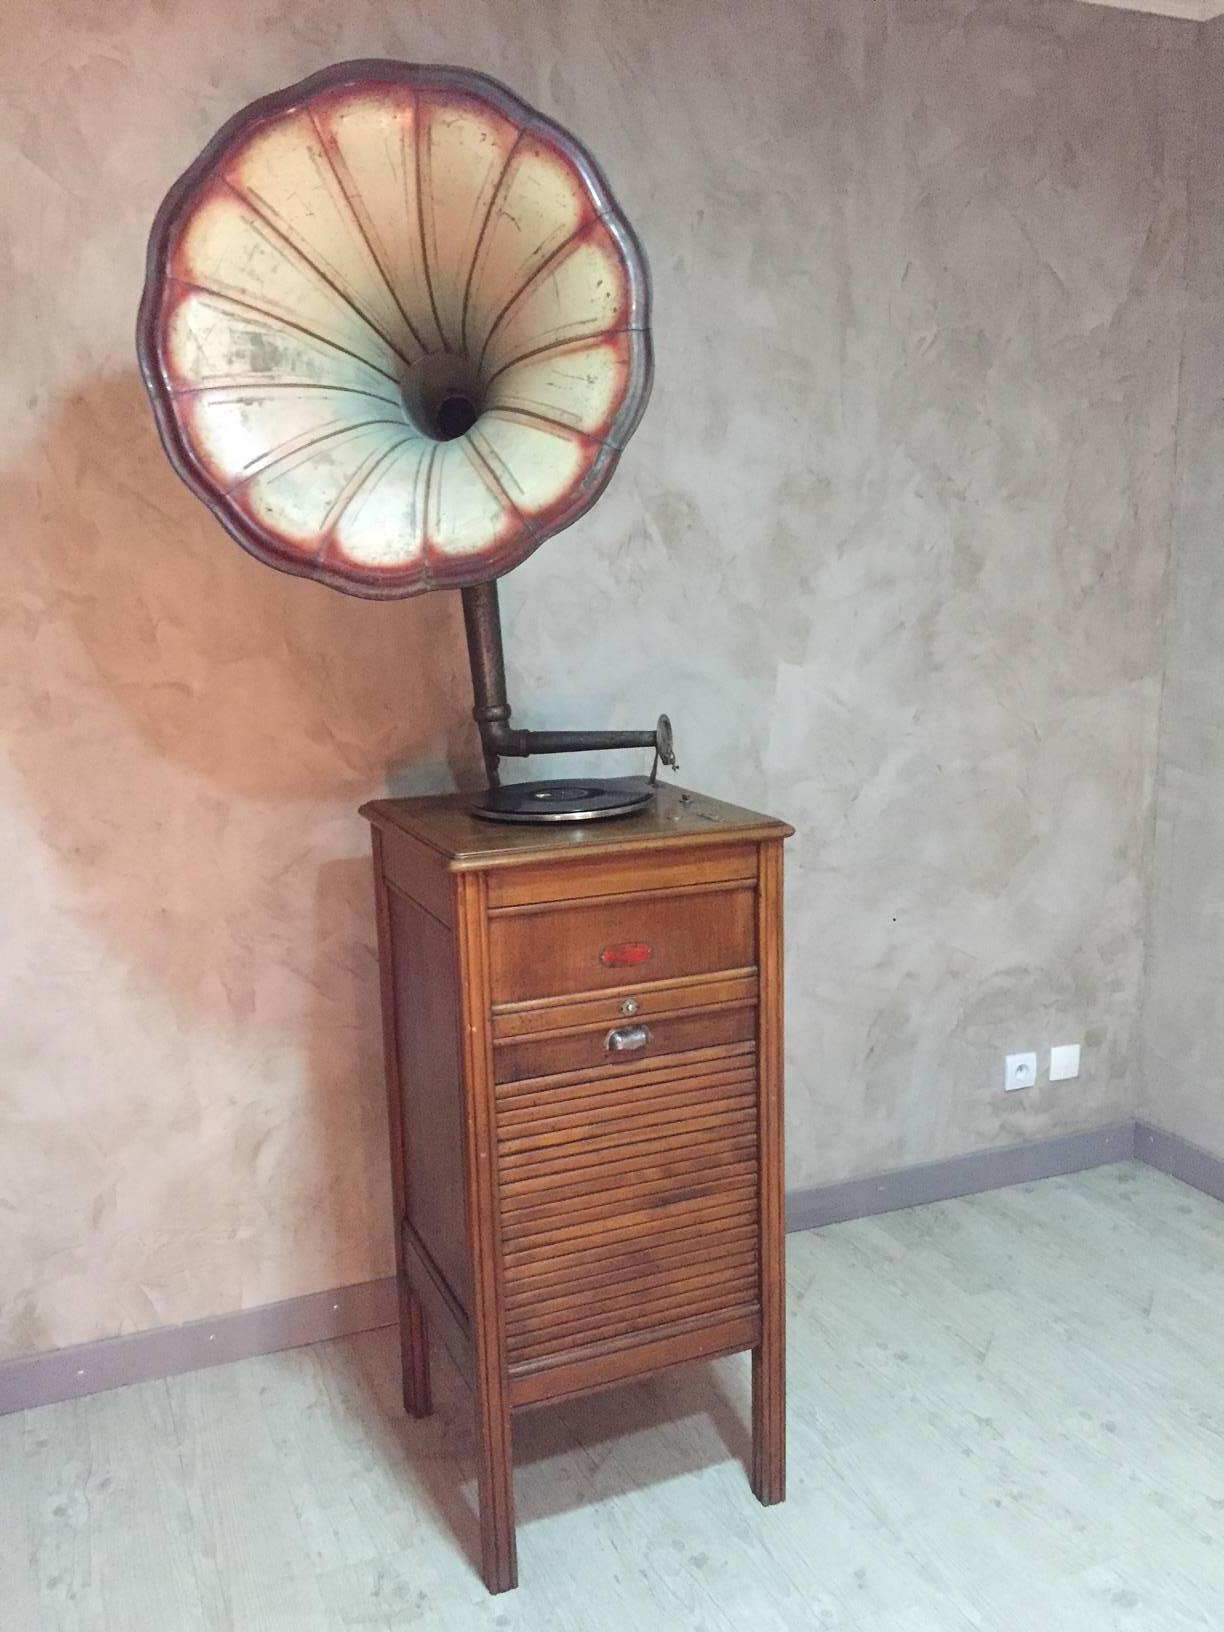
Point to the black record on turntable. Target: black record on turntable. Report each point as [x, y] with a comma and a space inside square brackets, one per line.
[564, 800]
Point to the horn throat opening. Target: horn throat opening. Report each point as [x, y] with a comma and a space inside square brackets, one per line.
[443, 396]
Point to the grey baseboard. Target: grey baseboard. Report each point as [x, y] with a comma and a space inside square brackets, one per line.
[89, 1368]
[1177, 1156]
[112, 1362]
[958, 1176]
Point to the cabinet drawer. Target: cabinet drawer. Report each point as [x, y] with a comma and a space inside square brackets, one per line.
[639, 1039]
[592, 945]
[572, 879]
[659, 1000]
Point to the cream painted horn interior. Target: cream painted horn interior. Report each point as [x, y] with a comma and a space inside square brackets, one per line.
[395, 328]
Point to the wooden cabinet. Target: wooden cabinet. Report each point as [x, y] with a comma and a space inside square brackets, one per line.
[583, 1035]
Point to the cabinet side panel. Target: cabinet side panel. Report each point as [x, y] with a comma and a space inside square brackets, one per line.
[427, 1020]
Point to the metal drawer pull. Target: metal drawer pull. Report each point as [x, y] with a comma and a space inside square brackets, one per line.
[626, 1038]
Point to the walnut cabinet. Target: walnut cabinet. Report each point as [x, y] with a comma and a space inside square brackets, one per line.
[583, 1036]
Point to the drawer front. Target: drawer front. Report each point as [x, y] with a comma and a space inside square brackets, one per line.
[639, 1038]
[573, 879]
[628, 1202]
[590, 946]
[622, 1005]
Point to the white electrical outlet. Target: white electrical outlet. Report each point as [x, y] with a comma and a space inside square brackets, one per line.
[1019, 1071]
[1064, 1062]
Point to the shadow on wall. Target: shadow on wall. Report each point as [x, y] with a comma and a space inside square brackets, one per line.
[193, 733]
[266, 686]
[344, 1180]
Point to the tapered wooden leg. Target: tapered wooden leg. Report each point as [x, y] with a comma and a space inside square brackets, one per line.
[768, 1424]
[414, 1338]
[495, 1468]
[495, 1481]
[414, 1350]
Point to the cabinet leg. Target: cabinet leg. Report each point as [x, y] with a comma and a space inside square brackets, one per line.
[414, 1351]
[769, 1357]
[769, 1422]
[495, 1480]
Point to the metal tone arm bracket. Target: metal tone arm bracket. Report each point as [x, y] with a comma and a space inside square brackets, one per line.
[499, 740]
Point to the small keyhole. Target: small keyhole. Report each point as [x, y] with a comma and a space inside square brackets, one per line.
[630, 1006]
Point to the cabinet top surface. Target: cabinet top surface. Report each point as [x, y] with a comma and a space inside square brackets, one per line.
[445, 823]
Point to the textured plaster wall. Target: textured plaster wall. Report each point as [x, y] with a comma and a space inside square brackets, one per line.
[1183, 1012]
[890, 546]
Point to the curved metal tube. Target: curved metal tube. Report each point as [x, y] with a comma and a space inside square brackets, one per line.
[482, 620]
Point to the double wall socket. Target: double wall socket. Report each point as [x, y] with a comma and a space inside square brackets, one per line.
[1020, 1070]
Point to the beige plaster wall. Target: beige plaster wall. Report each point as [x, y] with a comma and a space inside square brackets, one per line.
[890, 546]
[1183, 1010]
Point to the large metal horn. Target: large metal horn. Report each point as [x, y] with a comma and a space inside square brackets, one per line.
[396, 333]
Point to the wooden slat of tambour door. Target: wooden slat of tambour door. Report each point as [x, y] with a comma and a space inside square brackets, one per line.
[609, 1273]
[728, 1120]
[566, 1327]
[655, 1148]
[561, 1227]
[561, 1185]
[687, 1059]
[618, 1322]
[630, 1092]
[605, 1116]
[637, 1101]
[725, 1212]
[612, 1209]
[728, 1124]
[561, 1309]
[563, 1233]
[640, 1113]
[636, 1096]
[610, 1263]
[550, 1339]
[602, 1198]
[731, 1125]
[601, 1134]
[548, 1255]
[645, 1115]
[581, 1326]
[601, 1288]
[622, 1326]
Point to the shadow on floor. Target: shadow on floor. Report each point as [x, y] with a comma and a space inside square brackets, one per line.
[696, 1415]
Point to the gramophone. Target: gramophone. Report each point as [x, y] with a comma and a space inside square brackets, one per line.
[396, 333]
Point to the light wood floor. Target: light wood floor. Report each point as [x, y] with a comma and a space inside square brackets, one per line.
[1006, 1413]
